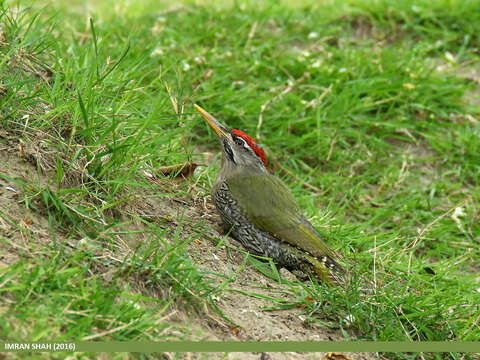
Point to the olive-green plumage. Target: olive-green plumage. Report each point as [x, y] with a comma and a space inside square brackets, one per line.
[262, 213]
[270, 206]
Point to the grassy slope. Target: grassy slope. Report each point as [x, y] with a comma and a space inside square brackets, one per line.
[374, 121]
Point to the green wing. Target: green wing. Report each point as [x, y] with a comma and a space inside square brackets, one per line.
[270, 205]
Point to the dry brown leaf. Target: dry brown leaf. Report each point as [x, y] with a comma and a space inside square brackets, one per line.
[309, 299]
[335, 356]
[207, 74]
[179, 170]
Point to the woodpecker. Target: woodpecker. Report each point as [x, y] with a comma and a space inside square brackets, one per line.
[260, 211]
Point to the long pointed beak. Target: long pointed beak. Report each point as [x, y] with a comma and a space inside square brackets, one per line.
[214, 124]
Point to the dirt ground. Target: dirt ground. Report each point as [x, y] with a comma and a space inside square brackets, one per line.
[254, 324]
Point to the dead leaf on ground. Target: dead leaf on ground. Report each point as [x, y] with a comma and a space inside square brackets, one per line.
[180, 170]
[207, 74]
[335, 356]
[3, 134]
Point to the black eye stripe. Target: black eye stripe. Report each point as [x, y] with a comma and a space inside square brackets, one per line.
[228, 150]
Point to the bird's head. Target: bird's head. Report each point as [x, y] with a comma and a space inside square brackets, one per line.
[238, 148]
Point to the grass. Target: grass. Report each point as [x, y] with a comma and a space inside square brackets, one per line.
[366, 112]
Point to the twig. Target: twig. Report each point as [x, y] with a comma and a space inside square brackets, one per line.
[163, 318]
[118, 328]
[332, 145]
[180, 116]
[383, 101]
[410, 322]
[382, 245]
[402, 174]
[251, 34]
[394, 308]
[172, 98]
[314, 103]
[287, 89]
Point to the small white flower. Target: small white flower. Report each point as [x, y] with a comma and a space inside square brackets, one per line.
[350, 319]
[156, 52]
[238, 82]
[159, 26]
[148, 173]
[342, 70]
[457, 213]
[186, 66]
[317, 64]
[313, 35]
[450, 58]
[416, 9]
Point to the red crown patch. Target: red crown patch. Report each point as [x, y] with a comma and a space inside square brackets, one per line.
[253, 144]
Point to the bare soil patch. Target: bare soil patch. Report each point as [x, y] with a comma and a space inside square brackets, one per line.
[28, 232]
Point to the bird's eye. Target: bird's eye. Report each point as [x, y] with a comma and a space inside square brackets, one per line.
[239, 141]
